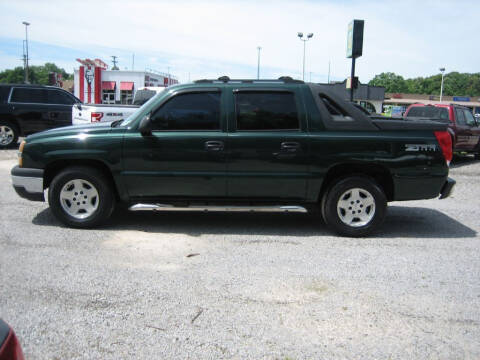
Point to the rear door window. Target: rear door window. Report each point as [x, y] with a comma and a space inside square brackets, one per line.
[28, 95]
[266, 110]
[4, 93]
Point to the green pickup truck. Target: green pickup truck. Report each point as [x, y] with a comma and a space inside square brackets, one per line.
[238, 145]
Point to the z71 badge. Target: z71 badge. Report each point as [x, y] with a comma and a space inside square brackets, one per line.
[420, 147]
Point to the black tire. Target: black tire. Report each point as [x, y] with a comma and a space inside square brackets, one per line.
[8, 134]
[103, 204]
[477, 156]
[365, 218]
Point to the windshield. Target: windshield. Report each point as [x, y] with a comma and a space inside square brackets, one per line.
[429, 112]
[133, 116]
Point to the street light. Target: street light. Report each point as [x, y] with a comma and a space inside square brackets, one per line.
[442, 70]
[26, 56]
[300, 36]
[258, 63]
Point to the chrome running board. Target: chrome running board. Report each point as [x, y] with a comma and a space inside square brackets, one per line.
[168, 207]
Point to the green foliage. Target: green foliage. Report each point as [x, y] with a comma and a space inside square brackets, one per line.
[36, 74]
[392, 82]
[454, 84]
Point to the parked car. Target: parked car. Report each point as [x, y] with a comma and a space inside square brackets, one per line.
[462, 125]
[10, 348]
[27, 109]
[89, 113]
[238, 145]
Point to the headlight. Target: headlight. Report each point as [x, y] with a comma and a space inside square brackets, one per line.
[20, 151]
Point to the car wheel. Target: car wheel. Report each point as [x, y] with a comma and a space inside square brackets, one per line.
[8, 134]
[354, 206]
[477, 156]
[81, 197]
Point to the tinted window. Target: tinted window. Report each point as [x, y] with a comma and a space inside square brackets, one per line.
[429, 112]
[460, 117]
[266, 111]
[332, 108]
[470, 120]
[196, 111]
[26, 95]
[4, 92]
[59, 97]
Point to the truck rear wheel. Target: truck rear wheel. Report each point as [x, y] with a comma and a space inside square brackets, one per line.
[81, 197]
[8, 134]
[354, 206]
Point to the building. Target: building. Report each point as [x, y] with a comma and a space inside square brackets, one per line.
[370, 97]
[399, 101]
[94, 83]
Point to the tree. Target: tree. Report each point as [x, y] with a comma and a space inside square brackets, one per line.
[12, 76]
[36, 74]
[454, 83]
[392, 82]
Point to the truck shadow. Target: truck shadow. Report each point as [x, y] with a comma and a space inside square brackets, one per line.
[462, 160]
[408, 222]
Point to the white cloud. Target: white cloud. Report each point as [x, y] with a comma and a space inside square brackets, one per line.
[406, 37]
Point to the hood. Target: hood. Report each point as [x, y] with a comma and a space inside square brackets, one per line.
[93, 128]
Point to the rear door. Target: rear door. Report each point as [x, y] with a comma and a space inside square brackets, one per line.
[268, 145]
[30, 108]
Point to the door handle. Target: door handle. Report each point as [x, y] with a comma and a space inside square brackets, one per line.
[290, 146]
[214, 145]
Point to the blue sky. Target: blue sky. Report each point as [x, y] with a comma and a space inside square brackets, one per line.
[206, 39]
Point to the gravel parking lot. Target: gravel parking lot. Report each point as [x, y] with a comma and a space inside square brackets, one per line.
[244, 286]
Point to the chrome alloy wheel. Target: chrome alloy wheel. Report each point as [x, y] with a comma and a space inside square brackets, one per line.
[6, 135]
[79, 198]
[356, 207]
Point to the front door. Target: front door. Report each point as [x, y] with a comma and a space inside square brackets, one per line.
[474, 130]
[60, 108]
[268, 147]
[465, 123]
[184, 156]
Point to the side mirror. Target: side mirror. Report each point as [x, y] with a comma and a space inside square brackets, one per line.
[145, 127]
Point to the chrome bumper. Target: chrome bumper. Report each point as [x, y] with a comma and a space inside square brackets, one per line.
[28, 183]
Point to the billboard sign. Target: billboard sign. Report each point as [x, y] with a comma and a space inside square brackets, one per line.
[355, 39]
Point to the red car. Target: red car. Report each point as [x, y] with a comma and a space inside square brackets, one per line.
[9, 346]
[463, 127]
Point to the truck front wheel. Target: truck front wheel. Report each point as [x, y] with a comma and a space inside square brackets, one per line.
[354, 206]
[81, 197]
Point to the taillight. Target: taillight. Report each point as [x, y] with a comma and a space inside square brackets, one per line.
[445, 141]
[96, 116]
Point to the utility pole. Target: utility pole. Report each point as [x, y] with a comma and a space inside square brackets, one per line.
[114, 60]
[258, 62]
[26, 54]
[133, 61]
